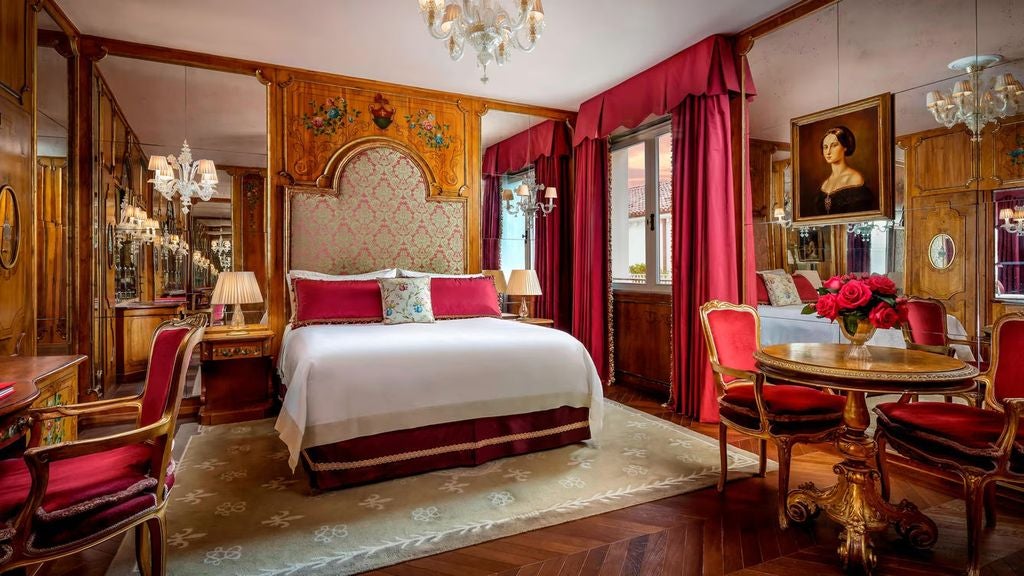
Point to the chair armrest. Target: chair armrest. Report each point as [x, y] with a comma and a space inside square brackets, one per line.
[50, 412]
[747, 375]
[1014, 407]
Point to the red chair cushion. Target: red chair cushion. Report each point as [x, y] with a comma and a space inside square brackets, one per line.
[337, 301]
[805, 289]
[734, 337]
[785, 402]
[80, 486]
[1009, 376]
[163, 356]
[965, 429]
[464, 298]
[762, 291]
[927, 323]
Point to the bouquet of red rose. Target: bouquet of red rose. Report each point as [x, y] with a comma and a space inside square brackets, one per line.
[852, 298]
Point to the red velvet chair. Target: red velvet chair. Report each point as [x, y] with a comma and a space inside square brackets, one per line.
[981, 445]
[786, 414]
[61, 499]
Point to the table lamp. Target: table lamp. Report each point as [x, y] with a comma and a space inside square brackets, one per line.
[499, 284]
[523, 283]
[236, 288]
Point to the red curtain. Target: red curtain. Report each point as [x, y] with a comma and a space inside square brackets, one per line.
[858, 253]
[705, 250]
[491, 222]
[590, 250]
[553, 249]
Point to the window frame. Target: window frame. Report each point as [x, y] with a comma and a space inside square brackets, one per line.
[648, 134]
[528, 242]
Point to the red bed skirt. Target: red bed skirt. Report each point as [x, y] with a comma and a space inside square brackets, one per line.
[464, 443]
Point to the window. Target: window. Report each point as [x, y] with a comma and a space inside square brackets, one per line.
[516, 248]
[641, 193]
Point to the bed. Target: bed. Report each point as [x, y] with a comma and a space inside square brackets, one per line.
[783, 324]
[366, 402]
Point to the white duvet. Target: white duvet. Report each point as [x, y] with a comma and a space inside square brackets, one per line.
[351, 380]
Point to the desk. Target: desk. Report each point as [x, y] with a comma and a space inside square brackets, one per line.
[38, 381]
[854, 501]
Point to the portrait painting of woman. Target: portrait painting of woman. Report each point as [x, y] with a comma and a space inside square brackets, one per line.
[842, 163]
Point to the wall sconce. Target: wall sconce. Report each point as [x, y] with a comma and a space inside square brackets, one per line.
[779, 217]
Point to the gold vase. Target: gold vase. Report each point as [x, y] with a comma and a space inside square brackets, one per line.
[858, 331]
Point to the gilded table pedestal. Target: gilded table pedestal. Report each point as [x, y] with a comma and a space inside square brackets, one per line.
[854, 500]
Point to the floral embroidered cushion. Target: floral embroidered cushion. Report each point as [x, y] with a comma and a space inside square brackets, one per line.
[406, 300]
[781, 289]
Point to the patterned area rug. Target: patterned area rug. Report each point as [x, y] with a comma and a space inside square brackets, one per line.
[237, 509]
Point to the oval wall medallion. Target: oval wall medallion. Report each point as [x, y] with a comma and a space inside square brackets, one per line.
[941, 251]
[10, 228]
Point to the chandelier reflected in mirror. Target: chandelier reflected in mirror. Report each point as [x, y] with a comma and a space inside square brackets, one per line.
[520, 200]
[184, 177]
[971, 102]
[221, 247]
[1013, 220]
[486, 26]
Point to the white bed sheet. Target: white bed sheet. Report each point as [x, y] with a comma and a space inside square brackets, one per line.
[352, 380]
[785, 324]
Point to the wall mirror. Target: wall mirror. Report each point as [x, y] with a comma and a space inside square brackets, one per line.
[10, 228]
[943, 179]
[508, 164]
[153, 118]
[55, 208]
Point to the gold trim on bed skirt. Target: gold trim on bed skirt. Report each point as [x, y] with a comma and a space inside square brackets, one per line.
[391, 458]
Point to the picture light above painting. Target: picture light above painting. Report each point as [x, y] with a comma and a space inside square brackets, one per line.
[842, 163]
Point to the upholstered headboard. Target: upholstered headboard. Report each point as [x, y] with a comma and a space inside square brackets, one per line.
[377, 214]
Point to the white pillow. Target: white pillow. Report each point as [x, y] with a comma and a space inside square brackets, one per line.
[293, 274]
[403, 273]
[812, 276]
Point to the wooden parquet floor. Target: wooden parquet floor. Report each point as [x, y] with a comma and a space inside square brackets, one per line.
[702, 532]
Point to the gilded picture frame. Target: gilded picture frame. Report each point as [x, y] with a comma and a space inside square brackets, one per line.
[843, 163]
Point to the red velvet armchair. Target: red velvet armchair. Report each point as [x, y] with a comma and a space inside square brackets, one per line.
[786, 414]
[980, 445]
[59, 500]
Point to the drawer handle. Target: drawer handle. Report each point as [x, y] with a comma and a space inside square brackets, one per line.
[231, 352]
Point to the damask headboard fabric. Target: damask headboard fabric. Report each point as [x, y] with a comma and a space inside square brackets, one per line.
[377, 216]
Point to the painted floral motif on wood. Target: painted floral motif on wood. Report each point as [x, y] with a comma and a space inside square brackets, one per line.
[427, 127]
[1017, 154]
[436, 128]
[328, 116]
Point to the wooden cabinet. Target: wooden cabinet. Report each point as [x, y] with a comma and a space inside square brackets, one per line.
[537, 321]
[134, 325]
[236, 375]
[39, 381]
[642, 329]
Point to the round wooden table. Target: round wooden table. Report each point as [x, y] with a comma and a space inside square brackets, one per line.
[854, 500]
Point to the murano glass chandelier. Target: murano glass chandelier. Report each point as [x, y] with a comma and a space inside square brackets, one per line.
[971, 102]
[178, 176]
[486, 26]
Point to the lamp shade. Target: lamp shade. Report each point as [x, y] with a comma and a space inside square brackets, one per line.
[157, 163]
[550, 192]
[523, 283]
[236, 288]
[499, 280]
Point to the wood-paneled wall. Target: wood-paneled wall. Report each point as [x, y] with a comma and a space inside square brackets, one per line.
[642, 332]
[950, 185]
[52, 256]
[17, 170]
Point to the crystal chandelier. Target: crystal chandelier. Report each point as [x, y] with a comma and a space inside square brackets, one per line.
[971, 102]
[178, 175]
[525, 205]
[1013, 220]
[222, 249]
[486, 25]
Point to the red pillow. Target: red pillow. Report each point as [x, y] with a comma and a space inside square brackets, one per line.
[762, 291]
[464, 298]
[337, 302]
[805, 289]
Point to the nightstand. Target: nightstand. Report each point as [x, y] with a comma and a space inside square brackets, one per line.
[236, 374]
[537, 321]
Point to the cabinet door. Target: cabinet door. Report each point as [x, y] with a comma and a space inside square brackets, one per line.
[59, 391]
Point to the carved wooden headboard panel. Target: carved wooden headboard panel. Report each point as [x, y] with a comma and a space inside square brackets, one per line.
[378, 214]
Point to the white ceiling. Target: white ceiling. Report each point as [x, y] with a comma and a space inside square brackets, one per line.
[860, 48]
[588, 45]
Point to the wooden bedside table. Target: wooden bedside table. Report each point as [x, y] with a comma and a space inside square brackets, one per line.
[537, 321]
[236, 375]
